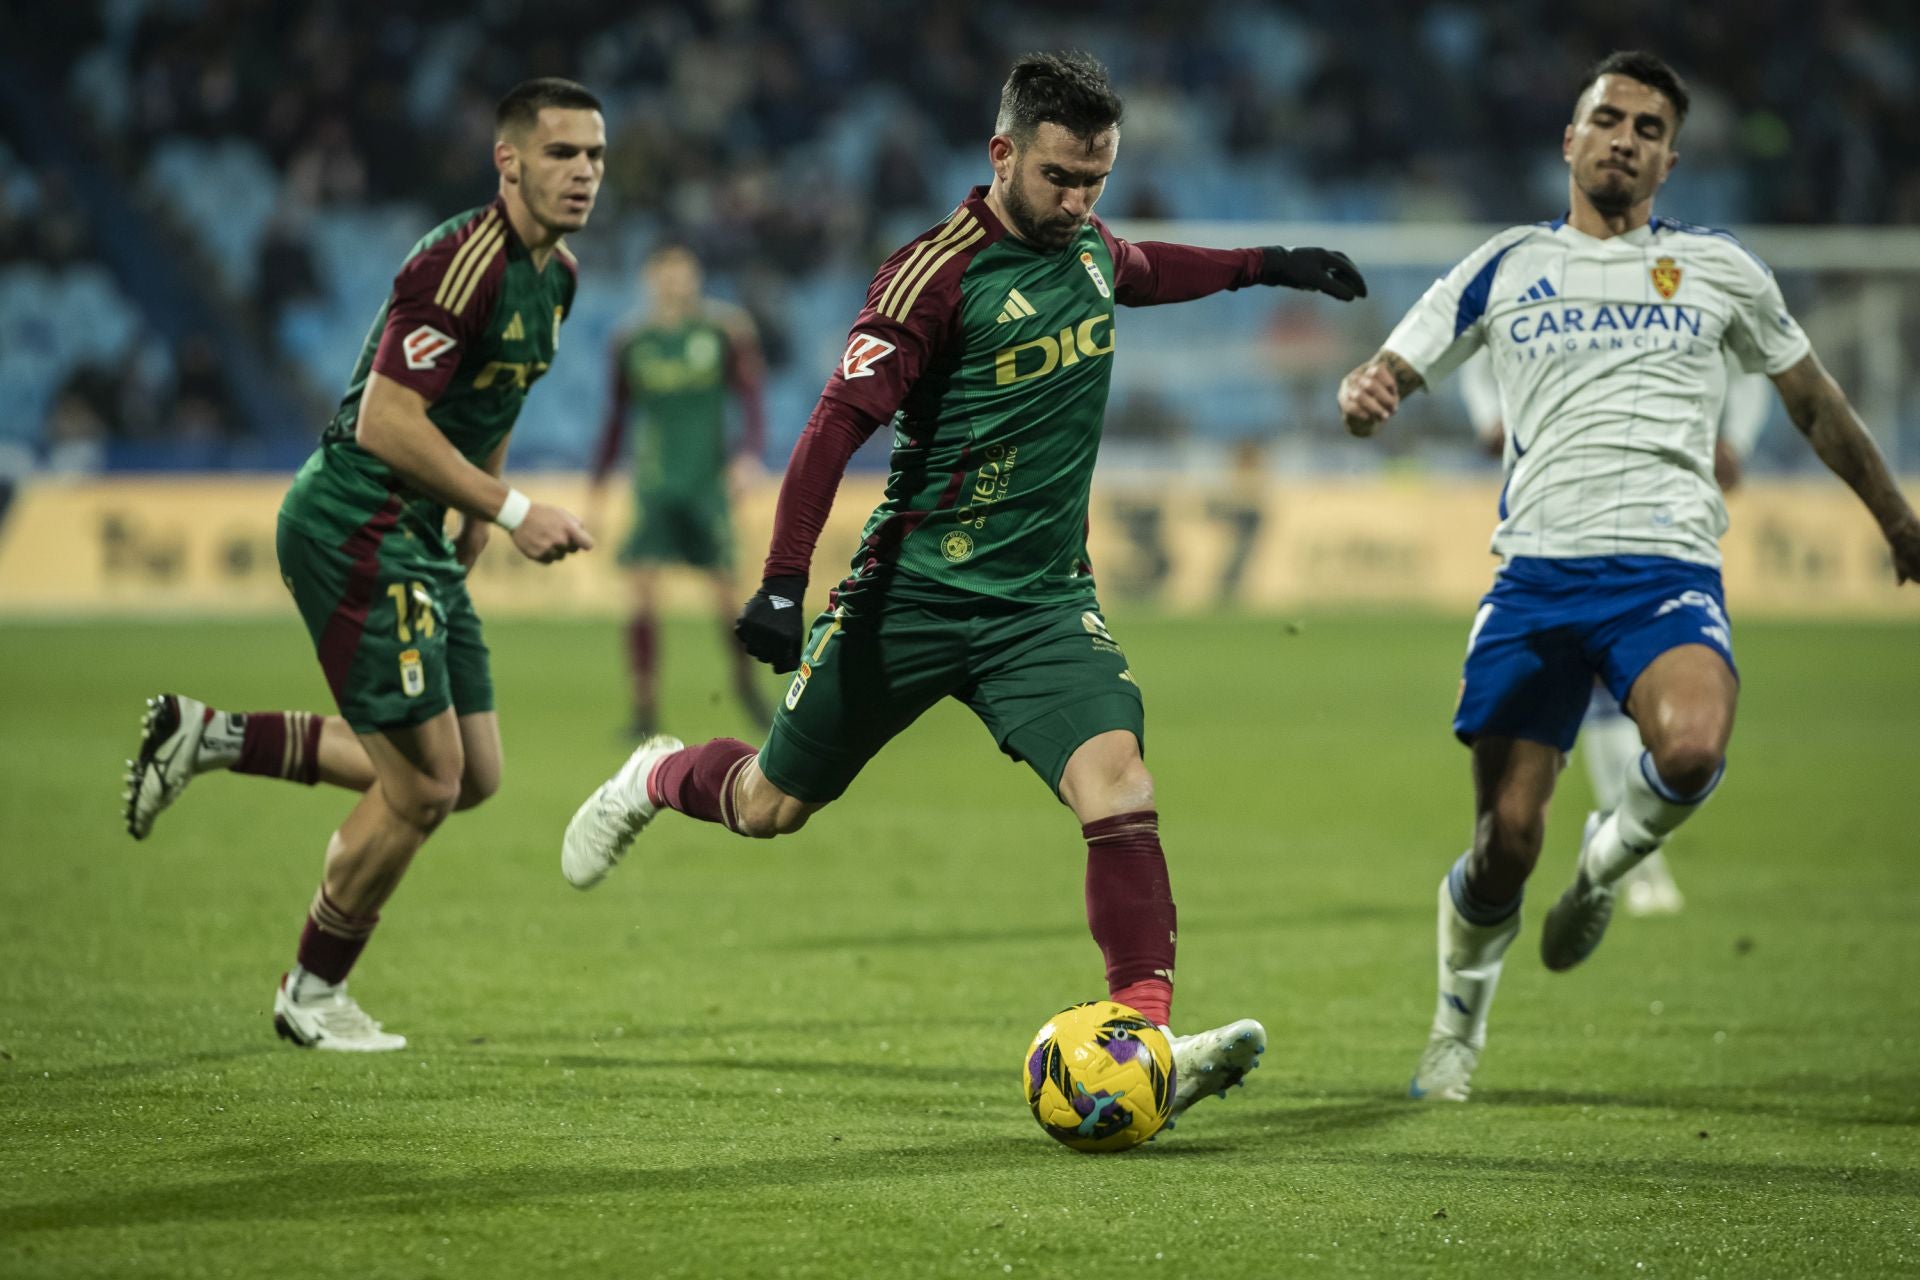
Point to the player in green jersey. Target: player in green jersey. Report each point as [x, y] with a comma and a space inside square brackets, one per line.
[471, 323]
[672, 377]
[988, 343]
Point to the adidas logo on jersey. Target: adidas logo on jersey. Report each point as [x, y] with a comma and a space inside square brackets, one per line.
[1541, 289]
[515, 331]
[1016, 308]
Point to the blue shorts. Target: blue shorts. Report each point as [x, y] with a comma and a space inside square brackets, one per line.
[1550, 626]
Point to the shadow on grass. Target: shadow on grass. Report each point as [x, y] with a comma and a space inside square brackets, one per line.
[108, 1071]
[339, 1190]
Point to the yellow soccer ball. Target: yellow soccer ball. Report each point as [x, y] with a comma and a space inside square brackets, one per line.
[1099, 1077]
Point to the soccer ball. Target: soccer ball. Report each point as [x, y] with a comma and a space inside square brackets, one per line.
[1099, 1077]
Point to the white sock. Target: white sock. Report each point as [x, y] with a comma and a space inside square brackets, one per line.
[1610, 744]
[1648, 812]
[306, 987]
[220, 742]
[1470, 959]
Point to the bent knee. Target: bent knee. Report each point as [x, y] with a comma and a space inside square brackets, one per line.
[781, 817]
[1688, 763]
[476, 790]
[425, 803]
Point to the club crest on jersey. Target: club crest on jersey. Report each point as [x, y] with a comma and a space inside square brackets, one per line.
[863, 352]
[424, 346]
[1093, 269]
[1666, 277]
[956, 546]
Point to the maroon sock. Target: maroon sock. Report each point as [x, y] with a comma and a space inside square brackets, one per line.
[333, 940]
[281, 744]
[643, 656]
[699, 780]
[1130, 910]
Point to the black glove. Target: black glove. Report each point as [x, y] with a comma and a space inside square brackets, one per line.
[770, 626]
[1326, 270]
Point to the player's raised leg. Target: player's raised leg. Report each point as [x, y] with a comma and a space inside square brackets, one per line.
[1684, 702]
[182, 737]
[1480, 906]
[1131, 914]
[1610, 744]
[419, 774]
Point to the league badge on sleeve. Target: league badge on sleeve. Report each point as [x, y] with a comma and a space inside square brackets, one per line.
[863, 352]
[426, 345]
[1666, 277]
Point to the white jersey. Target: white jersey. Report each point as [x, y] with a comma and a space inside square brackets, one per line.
[1608, 358]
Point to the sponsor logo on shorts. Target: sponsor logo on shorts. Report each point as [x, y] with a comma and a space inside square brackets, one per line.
[799, 685]
[424, 346]
[957, 546]
[413, 676]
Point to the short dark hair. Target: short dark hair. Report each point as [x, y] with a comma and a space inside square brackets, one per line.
[1068, 89]
[521, 108]
[1649, 70]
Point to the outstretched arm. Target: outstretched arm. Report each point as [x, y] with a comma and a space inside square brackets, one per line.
[1152, 272]
[1370, 394]
[1820, 409]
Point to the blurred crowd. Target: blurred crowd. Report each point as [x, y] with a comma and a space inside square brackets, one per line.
[789, 139]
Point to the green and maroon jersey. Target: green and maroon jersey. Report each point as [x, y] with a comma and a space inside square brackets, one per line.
[670, 386]
[992, 357]
[470, 325]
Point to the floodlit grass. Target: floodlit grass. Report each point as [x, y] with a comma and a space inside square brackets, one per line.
[801, 1057]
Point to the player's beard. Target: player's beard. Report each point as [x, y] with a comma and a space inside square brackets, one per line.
[1050, 234]
[1611, 192]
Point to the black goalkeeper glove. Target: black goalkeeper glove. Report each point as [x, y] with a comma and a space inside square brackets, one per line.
[1326, 270]
[770, 626]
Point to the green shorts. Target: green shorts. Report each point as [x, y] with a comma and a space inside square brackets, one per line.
[673, 529]
[1044, 679]
[392, 623]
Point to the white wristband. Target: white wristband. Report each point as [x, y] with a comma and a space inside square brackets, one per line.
[513, 510]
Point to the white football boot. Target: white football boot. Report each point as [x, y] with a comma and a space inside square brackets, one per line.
[605, 826]
[170, 737]
[314, 1015]
[1649, 889]
[1208, 1063]
[1575, 925]
[1444, 1070]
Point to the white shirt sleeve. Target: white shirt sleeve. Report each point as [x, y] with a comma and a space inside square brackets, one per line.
[1762, 333]
[1447, 324]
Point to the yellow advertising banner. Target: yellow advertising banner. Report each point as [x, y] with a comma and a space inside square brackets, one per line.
[205, 546]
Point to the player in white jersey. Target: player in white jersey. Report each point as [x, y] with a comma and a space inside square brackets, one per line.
[1609, 739]
[1605, 327]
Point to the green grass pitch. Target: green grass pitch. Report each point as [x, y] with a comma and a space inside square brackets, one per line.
[801, 1057]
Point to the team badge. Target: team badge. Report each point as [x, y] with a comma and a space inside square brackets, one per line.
[1666, 277]
[424, 346]
[413, 676]
[957, 546]
[1093, 269]
[863, 352]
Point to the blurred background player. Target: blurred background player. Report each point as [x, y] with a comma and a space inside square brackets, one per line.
[672, 377]
[1606, 328]
[472, 320]
[987, 343]
[1609, 739]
